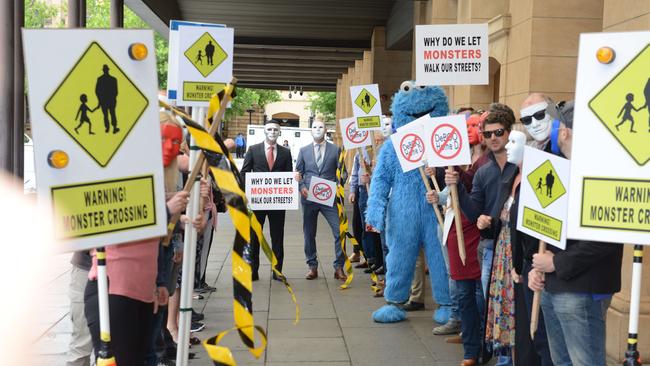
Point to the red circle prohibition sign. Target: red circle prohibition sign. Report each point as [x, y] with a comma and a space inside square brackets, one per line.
[322, 189]
[408, 147]
[356, 136]
[438, 148]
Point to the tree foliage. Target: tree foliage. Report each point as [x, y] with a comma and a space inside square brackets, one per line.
[247, 98]
[323, 103]
[40, 14]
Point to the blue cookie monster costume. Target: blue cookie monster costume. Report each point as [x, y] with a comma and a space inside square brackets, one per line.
[397, 205]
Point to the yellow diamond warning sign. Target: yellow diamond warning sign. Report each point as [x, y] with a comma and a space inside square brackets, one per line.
[546, 184]
[622, 106]
[365, 101]
[206, 54]
[97, 104]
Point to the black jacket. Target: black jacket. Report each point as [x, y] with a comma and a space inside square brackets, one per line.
[586, 266]
[487, 195]
[255, 160]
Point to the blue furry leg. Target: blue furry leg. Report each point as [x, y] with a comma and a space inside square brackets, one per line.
[389, 313]
[442, 314]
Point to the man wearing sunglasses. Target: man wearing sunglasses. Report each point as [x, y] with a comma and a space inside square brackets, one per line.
[537, 115]
[484, 199]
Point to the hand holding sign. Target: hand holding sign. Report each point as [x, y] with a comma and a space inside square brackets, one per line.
[449, 146]
[321, 191]
[409, 144]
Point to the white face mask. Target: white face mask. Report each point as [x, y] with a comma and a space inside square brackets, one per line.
[539, 129]
[515, 147]
[387, 126]
[272, 131]
[318, 130]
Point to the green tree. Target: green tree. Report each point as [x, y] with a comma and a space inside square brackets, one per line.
[323, 103]
[98, 16]
[39, 14]
[247, 98]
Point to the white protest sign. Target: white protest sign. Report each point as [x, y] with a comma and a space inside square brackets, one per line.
[111, 191]
[353, 137]
[366, 106]
[205, 59]
[321, 191]
[409, 145]
[543, 202]
[609, 198]
[172, 54]
[272, 191]
[447, 141]
[451, 54]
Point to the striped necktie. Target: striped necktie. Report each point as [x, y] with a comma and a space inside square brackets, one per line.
[319, 156]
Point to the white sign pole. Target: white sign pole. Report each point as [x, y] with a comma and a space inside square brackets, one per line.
[632, 356]
[104, 352]
[189, 257]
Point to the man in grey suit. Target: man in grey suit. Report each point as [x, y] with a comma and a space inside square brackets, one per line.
[319, 159]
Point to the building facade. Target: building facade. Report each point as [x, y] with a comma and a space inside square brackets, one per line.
[533, 47]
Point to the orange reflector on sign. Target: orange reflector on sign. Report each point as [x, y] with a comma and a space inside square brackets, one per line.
[58, 159]
[138, 51]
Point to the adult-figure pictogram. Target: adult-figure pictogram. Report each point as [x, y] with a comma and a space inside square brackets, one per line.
[106, 91]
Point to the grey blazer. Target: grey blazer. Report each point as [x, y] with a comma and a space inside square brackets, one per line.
[306, 163]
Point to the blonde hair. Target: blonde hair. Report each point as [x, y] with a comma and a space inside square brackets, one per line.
[171, 172]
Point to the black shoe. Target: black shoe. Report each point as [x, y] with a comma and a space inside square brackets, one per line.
[278, 278]
[413, 306]
[197, 327]
[256, 276]
[381, 270]
[204, 287]
[371, 268]
[115, 130]
[197, 317]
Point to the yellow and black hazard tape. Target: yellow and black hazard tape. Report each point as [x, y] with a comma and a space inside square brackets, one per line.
[227, 178]
[341, 176]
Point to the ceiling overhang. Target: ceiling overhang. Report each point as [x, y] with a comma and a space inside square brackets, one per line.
[278, 43]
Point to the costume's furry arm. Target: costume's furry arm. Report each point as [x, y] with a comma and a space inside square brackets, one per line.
[380, 186]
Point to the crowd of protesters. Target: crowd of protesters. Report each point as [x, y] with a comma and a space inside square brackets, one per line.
[491, 292]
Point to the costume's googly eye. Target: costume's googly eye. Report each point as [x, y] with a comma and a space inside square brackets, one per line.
[406, 86]
[421, 86]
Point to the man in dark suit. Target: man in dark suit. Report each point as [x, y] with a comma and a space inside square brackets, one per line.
[319, 159]
[268, 156]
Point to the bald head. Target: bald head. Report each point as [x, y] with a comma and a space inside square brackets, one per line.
[535, 98]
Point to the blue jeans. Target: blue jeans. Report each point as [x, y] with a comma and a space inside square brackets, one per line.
[577, 324]
[471, 319]
[367, 241]
[310, 212]
[486, 264]
[384, 247]
[453, 290]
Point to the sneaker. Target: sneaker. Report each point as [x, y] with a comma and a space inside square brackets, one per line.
[205, 288]
[197, 317]
[196, 327]
[451, 327]
[413, 306]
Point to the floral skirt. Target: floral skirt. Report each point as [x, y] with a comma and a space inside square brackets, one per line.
[500, 322]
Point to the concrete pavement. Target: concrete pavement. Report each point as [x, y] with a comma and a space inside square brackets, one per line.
[335, 326]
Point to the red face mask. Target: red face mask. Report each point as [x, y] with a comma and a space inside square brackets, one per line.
[474, 129]
[172, 137]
